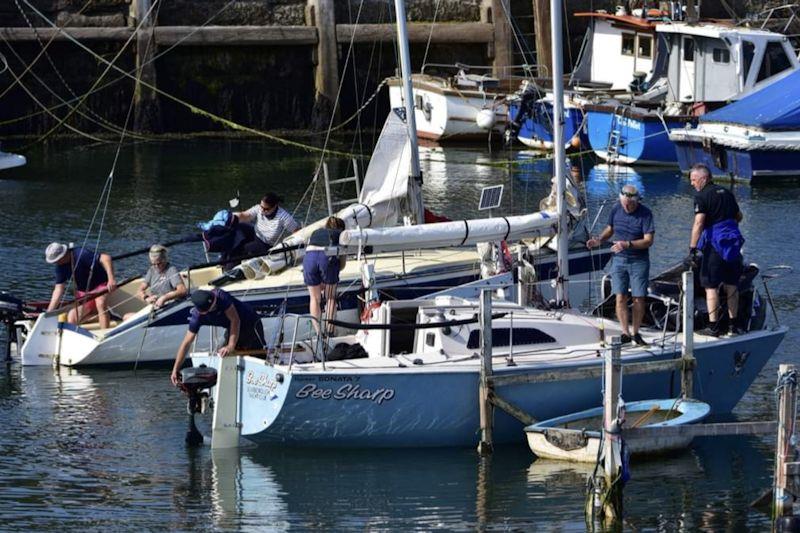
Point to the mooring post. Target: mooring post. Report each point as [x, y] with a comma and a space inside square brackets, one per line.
[541, 34]
[501, 50]
[322, 15]
[687, 349]
[484, 385]
[784, 448]
[146, 108]
[612, 448]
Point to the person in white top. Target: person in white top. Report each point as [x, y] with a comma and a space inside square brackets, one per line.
[272, 223]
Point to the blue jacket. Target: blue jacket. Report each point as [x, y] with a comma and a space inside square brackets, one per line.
[726, 239]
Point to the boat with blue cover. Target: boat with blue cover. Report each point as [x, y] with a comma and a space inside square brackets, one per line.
[709, 65]
[754, 138]
[577, 437]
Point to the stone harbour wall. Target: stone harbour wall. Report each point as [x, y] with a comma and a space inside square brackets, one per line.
[268, 87]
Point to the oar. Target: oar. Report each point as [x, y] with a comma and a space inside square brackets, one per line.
[182, 240]
[91, 296]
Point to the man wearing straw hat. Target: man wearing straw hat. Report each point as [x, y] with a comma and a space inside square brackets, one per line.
[90, 272]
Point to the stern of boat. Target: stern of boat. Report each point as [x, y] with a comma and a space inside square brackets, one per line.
[53, 342]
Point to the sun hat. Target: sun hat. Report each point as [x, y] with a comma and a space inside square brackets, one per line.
[55, 251]
[202, 300]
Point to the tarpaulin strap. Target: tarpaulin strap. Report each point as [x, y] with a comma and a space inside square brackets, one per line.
[466, 234]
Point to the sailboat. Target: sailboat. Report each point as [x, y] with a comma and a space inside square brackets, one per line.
[273, 285]
[409, 377]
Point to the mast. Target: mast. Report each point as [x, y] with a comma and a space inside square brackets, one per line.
[408, 96]
[562, 290]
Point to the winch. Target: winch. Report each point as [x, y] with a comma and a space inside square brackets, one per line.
[195, 382]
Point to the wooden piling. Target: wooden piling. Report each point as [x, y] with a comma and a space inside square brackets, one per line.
[541, 32]
[687, 348]
[146, 108]
[484, 386]
[612, 491]
[501, 49]
[321, 14]
[784, 449]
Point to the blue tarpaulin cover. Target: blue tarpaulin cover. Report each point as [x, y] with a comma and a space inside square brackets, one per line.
[775, 107]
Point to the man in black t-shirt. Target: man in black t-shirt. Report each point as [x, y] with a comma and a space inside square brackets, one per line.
[716, 212]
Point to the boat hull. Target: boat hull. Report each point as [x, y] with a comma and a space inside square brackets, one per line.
[739, 164]
[444, 114]
[536, 130]
[632, 139]
[431, 406]
[143, 339]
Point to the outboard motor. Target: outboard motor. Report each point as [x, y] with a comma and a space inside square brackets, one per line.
[195, 382]
[11, 310]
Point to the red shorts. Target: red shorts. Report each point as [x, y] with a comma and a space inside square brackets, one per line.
[91, 305]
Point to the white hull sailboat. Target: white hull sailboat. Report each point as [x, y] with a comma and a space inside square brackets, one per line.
[273, 284]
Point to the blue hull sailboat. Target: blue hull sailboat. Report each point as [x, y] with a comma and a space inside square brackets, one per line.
[409, 376]
[757, 137]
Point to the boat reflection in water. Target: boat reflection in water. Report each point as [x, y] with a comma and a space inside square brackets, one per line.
[604, 181]
[282, 489]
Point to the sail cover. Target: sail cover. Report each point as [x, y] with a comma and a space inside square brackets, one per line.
[449, 234]
[773, 108]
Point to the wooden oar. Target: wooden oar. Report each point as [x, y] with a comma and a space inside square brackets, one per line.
[645, 416]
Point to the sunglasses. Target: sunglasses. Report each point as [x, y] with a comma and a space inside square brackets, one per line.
[630, 194]
[269, 210]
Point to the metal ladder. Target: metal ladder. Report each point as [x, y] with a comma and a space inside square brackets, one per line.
[614, 138]
[355, 178]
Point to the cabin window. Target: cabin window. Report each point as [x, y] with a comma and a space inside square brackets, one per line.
[722, 55]
[748, 51]
[645, 46]
[688, 49]
[628, 44]
[500, 337]
[775, 61]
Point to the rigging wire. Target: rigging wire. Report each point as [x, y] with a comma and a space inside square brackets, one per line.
[95, 117]
[194, 109]
[430, 34]
[109, 65]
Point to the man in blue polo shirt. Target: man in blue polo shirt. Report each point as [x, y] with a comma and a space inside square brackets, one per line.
[243, 330]
[631, 226]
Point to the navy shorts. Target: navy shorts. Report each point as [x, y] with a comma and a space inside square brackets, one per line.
[319, 268]
[714, 270]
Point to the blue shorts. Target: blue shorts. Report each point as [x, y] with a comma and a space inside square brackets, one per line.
[630, 273]
[319, 268]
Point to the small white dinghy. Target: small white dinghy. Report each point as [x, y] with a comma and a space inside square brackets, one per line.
[577, 436]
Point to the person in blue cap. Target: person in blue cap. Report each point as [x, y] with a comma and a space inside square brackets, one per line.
[243, 330]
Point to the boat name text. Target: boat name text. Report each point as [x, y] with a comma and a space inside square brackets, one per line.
[345, 392]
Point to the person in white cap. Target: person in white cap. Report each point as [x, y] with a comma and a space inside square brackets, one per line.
[90, 272]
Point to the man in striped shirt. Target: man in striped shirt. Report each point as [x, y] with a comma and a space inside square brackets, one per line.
[272, 223]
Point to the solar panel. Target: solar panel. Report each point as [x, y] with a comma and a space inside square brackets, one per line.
[490, 197]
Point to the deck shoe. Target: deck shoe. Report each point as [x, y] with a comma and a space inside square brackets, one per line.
[637, 338]
[713, 330]
[624, 339]
[735, 330]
